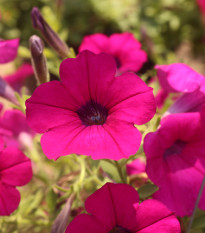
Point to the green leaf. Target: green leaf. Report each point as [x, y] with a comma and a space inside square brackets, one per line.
[111, 170]
[147, 190]
[51, 199]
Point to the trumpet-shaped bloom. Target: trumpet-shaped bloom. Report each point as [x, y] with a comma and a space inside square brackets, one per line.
[15, 170]
[14, 129]
[123, 47]
[176, 160]
[8, 50]
[179, 78]
[116, 208]
[90, 111]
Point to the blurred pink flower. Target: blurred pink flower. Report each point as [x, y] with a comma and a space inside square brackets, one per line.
[91, 112]
[201, 4]
[135, 167]
[123, 47]
[15, 170]
[8, 50]
[17, 79]
[116, 208]
[176, 160]
[180, 78]
[14, 129]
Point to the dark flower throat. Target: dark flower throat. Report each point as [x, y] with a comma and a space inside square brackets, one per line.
[118, 229]
[92, 113]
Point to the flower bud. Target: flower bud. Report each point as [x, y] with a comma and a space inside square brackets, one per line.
[7, 92]
[38, 59]
[49, 35]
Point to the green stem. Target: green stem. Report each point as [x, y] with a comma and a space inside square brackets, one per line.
[119, 169]
[196, 205]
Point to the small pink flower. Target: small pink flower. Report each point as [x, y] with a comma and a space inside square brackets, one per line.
[176, 160]
[14, 129]
[116, 208]
[135, 167]
[90, 111]
[15, 170]
[201, 4]
[123, 47]
[179, 78]
[8, 50]
[16, 79]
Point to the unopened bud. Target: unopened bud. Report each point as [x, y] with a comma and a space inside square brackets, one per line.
[49, 35]
[38, 59]
[7, 92]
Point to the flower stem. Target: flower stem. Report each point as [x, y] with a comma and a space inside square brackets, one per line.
[196, 205]
[119, 169]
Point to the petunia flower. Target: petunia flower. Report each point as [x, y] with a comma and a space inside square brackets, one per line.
[90, 111]
[14, 129]
[180, 78]
[176, 160]
[115, 208]
[8, 50]
[15, 170]
[122, 46]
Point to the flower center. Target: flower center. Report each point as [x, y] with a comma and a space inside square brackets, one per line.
[118, 229]
[176, 148]
[92, 113]
[118, 63]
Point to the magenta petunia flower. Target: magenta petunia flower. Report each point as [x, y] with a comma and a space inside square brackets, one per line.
[90, 111]
[17, 79]
[8, 50]
[123, 47]
[15, 170]
[179, 78]
[176, 160]
[116, 208]
[14, 129]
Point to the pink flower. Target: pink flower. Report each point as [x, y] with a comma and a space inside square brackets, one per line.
[135, 167]
[115, 208]
[14, 129]
[90, 111]
[180, 78]
[176, 160]
[123, 47]
[201, 4]
[8, 50]
[16, 79]
[15, 170]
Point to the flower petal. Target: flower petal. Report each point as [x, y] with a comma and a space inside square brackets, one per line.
[130, 99]
[111, 203]
[153, 216]
[178, 77]
[9, 199]
[88, 76]
[56, 102]
[8, 50]
[15, 167]
[86, 224]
